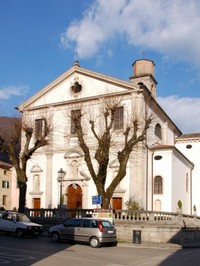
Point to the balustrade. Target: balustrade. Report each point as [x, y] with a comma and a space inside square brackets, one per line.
[129, 215]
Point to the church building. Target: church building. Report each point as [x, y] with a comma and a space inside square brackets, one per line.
[161, 170]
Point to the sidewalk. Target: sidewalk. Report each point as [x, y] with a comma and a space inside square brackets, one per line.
[160, 245]
[151, 245]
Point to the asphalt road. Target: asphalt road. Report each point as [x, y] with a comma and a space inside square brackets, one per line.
[41, 251]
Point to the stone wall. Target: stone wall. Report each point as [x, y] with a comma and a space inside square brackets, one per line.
[156, 232]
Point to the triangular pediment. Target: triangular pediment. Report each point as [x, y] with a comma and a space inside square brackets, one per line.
[77, 83]
[36, 169]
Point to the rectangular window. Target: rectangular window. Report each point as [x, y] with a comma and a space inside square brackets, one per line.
[119, 118]
[40, 128]
[187, 183]
[4, 200]
[74, 115]
[5, 184]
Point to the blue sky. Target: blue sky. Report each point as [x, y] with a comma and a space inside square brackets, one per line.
[39, 39]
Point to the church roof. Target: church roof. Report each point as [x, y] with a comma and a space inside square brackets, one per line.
[189, 136]
[5, 166]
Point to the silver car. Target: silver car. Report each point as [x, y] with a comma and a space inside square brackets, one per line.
[89, 230]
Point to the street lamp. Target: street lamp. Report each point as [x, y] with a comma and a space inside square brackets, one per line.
[61, 175]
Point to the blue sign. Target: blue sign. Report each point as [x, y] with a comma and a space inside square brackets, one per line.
[96, 199]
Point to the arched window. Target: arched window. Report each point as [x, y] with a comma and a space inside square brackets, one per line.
[158, 131]
[158, 185]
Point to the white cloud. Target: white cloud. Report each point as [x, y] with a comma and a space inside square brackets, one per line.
[184, 112]
[8, 92]
[170, 27]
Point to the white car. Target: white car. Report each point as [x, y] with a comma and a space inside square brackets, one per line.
[19, 224]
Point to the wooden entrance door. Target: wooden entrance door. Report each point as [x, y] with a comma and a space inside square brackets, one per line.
[117, 203]
[74, 197]
[36, 205]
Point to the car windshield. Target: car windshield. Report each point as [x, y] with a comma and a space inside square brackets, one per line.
[22, 217]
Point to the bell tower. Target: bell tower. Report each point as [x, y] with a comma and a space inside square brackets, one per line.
[143, 74]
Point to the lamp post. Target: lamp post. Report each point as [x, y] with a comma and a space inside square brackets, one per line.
[61, 175]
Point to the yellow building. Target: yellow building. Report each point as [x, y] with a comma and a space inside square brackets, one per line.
[8, 187]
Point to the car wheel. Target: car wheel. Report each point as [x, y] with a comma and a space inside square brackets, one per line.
[19, 233]
[94, 242]
[55, 237]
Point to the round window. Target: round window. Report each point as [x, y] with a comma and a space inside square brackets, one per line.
[189, 146]
[77, 87]
[158, 157]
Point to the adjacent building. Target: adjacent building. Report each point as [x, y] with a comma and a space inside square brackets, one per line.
[8, 187]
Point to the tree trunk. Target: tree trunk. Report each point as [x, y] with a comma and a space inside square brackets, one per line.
[106, 196]
[22, 196]
[105, 202]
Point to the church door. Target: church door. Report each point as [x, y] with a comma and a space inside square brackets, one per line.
[36, 205]
[74, 197]
[117, 203]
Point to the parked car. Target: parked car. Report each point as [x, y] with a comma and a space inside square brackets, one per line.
[19, 224]
[88, 230]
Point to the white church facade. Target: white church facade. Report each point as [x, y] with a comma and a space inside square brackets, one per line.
[161, 171]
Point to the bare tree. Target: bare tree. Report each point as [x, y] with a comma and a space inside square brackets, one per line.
[10, 138]
[133, 133]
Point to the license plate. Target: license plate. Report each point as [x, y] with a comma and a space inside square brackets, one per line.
[110, 232]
